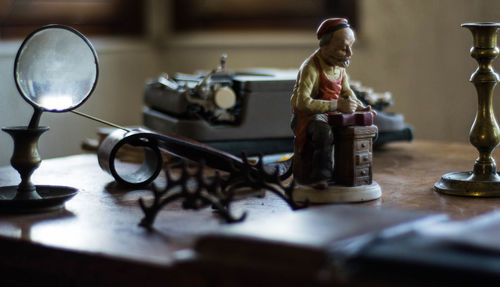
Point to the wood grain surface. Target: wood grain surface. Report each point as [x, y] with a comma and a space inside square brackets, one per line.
[407, 173]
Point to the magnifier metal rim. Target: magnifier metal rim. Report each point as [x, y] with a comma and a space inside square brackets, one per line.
[25, 41]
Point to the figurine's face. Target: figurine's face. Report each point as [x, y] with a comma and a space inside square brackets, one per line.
[338, 52]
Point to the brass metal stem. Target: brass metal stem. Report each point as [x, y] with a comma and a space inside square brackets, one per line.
[484, 135]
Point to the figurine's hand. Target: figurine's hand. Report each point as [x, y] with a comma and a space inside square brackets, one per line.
[346, 105]
[366, 109]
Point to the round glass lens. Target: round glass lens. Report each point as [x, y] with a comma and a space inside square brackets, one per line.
[56, 69]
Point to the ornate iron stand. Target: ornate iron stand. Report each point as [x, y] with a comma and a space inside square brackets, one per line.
[483, 181]
[219, 192]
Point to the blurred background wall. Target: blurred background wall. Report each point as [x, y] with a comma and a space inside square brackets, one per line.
[414, 49]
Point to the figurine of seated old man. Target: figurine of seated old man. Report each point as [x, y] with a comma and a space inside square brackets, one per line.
[322, 87]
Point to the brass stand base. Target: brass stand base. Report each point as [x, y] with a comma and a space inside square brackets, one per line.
[466, 184]
[52, 198]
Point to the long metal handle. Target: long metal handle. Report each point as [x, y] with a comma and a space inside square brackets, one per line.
[99, 120]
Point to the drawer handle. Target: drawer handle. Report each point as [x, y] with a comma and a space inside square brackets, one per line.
[363, 145]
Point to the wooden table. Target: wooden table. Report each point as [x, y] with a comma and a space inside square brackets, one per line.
[96, 239]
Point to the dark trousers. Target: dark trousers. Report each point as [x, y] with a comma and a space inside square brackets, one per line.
[315, 162]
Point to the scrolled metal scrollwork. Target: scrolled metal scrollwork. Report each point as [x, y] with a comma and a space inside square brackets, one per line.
[197, 192]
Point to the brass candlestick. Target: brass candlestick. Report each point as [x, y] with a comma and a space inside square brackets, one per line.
[26, 158]
[28, 197]
[483, 181]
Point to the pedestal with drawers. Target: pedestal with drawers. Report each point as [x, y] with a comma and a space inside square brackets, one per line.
[353, 155]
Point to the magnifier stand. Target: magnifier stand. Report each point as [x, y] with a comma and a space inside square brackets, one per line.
[27, 197]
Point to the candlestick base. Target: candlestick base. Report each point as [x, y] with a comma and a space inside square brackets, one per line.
[468, 184]
[51, 198]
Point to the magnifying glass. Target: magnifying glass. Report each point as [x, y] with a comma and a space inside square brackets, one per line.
[56, 70]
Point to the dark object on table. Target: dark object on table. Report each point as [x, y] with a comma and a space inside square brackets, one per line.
[367, 247]
[301, 242]
[444, 253]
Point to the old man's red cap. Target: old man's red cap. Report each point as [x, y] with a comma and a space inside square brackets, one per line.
[331, 25]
